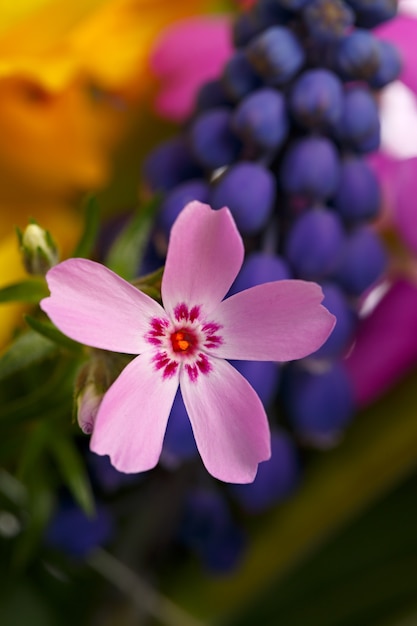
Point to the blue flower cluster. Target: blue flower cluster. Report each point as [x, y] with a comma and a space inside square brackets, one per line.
[281, 138]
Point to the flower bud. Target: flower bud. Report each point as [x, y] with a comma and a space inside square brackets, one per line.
[39, 250]
[211, 139]
[310, 168]
[248, 189]
[319, 402]
[92, 382]
[276, 478]
[276, 54]
[328, 20]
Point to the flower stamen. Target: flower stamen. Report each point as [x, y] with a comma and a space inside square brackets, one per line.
[181, 341]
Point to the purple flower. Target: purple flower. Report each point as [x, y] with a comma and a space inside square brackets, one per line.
[385, 349]
[186, 344]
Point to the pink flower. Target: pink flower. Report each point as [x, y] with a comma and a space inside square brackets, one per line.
[386, 344]
[186, 344]
[181, 74]
[188, 54]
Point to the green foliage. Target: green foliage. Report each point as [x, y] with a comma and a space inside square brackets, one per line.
[88, 238]
[49, 331]
[129, 247]
[29, 348]
[363, 575]
[30, 290]
[72, 469]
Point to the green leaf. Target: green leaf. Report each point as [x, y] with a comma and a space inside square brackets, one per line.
[72, 470]
[150, 284]
[49, 331]
[28, 349]
[128, 249]
[88, 239]
[39, 508]
[377, 453]
[51, 394]
[31, 290]
[22, 604]
[364, 575]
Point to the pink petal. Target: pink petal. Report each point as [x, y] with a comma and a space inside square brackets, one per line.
[386, 344]
[93, 305]
[205, 254]
[278, 321]
[229, 422]
[404, 192]
[133, 416]
[180, 73]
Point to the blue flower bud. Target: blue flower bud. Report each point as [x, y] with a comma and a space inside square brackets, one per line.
[370, 14]
[370, 144]
[319, 403]
[358, 55]
[107, 477]
[358, 195]
[359, 126]
[259, 268]
[263, 376]
[248, 189]
[342, 335]
[328, 20]
[313, 244]
[276, 54]
[169, 164]
[179, 442]
[276, 478]
[239, 77]
[316, 99]
[261, 120]
[293, 5]
[310, 168]
[244, 29]
[390, 65]
[174, 202]
[211, 95]
[211, 139]
[266, 13]
[363, 261]
[76, 534]
[208, 528]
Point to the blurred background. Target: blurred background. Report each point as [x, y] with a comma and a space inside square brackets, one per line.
[301, 116]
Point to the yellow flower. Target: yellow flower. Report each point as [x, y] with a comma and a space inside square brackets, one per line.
[65, 71]
[71, 76]
[51, 41]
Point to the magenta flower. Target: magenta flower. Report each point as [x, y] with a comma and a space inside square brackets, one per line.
[385, 348]
[180, 73]
[186, 344]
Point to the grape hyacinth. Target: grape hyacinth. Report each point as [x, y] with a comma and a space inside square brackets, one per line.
[282, 138]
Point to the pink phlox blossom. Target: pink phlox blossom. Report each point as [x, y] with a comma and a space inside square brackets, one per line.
[187, 343]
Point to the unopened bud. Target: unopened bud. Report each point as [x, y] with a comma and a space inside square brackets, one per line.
[39, 250]
[93, 380]
[88, 402]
